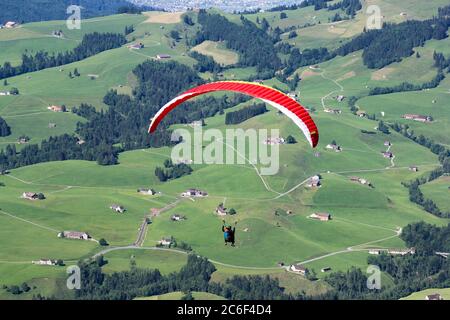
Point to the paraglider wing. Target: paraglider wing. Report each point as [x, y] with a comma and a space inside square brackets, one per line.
[288, 106]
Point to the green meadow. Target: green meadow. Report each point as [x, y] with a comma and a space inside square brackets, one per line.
[445, 294]
[79, 193]
[439, 191]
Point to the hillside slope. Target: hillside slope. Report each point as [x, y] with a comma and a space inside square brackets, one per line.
[43, 10]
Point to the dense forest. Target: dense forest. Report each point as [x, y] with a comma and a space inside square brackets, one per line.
[255, 46]
[205, 63]
[172, 171]
[194, 276]
[245, 113]
[91, 44]
[350, 7]
[318, 4]
[395, 41]
[44, 10]
[5, 130]
[306, 57]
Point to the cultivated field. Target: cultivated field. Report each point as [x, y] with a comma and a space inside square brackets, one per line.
[218, 51]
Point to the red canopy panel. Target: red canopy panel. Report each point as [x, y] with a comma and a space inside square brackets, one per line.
[290, 107]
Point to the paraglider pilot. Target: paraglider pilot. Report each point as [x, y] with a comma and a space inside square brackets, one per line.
[228, 233]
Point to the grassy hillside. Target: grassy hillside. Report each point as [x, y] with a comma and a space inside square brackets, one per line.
[217, 50]
[79, 193]
[445, 294]
[178, 295]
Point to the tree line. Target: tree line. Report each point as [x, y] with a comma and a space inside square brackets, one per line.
[46, 10]
[410, 273]
[440, 62]
[255, 46]
[395, 41]
[5, 129]
[318, 4]
[415, 194]
[245, 113]
[91, 44]
[194, 276]
[172, 171]
[205, 63]
[350, 7]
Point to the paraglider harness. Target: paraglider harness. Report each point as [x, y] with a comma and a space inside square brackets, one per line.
[228, 233]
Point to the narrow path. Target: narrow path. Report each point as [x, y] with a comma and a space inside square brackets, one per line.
[266, 185]
[341, 88]
[27, 221]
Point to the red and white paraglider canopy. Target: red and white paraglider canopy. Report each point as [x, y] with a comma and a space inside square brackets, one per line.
[288, 106]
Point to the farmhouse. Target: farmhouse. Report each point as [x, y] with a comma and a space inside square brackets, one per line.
[387, 143]
[375, 251]
[274, 141]
[146, 191]
[417, 117]
[22, 140]
[322, 216]
[292, 95]
[32, 196]
[360, 180]
[165, 241]
[340, 98]
[414, 168]
[361, 114]
[434, 296]
[51, 125]
[314, 182]
[401, 252]
[197, 123]
[333, 111]
[177, 217]
[80, 141]
[298, 268]
[117, 208]
[58, 33]
[11, 24]
[388, 154]
[136, 46]
[55, 108]
[45, 262]
[163, 56]
[74, 235]
[220, 210]
[334, 147]
[194, 193]
[5, 93]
